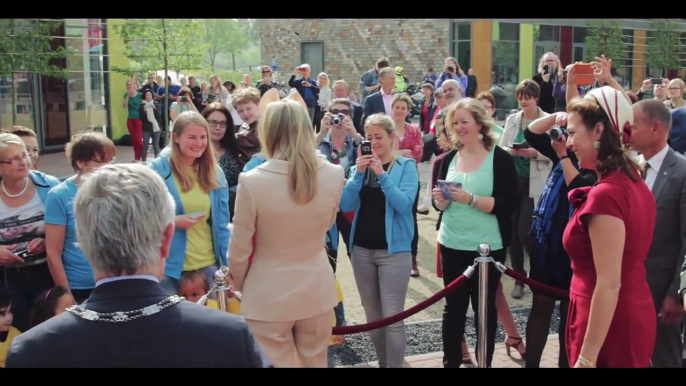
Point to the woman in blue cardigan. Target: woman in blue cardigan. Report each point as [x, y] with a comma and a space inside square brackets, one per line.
[199, 188]
[382, 189]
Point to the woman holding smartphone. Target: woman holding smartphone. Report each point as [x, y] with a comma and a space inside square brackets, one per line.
[382, 189]
[199, 188]
[476, 207]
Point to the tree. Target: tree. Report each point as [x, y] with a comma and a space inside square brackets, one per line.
[606, 37]
[25, 46]
[168, 44]
[252, 29]
[664, 48]
[224, 36]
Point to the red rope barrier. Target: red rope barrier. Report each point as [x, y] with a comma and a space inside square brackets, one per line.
[355, 329]
[552, 291]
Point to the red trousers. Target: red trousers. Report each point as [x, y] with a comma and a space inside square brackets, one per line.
[135, 127]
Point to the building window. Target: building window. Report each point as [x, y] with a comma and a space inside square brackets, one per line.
[86, 95]
[579, 44]
[312, 53]
[505, 76]
[19, 112]
[546, 39]
[461, 48]
[625, 72]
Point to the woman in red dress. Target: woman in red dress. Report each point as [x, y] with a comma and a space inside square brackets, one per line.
[611, 321]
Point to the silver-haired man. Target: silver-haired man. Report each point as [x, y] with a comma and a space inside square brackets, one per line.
[125, 218]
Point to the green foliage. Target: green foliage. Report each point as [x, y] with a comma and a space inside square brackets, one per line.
[606, 37]
[223, 36]
[664, 48]
[162, 44]
[236, 76]
[252, 29]
[25, 47]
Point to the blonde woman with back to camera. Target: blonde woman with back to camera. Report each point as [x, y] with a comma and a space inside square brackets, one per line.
[288, 204]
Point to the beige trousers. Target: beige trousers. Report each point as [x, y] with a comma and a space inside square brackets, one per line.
[300, 343]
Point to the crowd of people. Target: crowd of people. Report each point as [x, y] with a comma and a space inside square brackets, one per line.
[586, 186]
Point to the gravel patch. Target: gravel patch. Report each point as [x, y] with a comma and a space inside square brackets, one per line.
[425, 338]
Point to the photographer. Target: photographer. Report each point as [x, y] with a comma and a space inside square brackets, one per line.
[452, 70]
[549, 263]
[183, 103]
[338, 142]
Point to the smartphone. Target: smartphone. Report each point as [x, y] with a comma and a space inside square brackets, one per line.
[197, 215]
[445, 187]
[656, 80]
[521, 145]
[584, 74]
[22, 254]
[546, 70]
[366, 147]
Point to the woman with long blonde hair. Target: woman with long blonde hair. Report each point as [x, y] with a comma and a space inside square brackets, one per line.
[287, 204]
[199, 188]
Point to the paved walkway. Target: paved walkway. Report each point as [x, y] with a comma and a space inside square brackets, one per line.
[500, 357]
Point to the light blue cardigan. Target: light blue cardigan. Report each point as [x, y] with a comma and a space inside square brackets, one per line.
[44, 182]
[219, 218]
[400, 188]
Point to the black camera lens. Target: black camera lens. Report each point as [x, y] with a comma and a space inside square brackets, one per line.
[557, 133]
[337, 120]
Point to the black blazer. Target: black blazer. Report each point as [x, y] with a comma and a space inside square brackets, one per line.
[374, 105]
[504, 192]
[183, 335]
[358, 112]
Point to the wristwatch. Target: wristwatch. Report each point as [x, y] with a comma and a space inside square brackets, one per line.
[563, 157]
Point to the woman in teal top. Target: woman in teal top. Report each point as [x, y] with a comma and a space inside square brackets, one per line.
[477, 210]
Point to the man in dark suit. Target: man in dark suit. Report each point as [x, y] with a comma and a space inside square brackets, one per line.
[380, 102]
[665, 175]
[129, 320]
[341, 89]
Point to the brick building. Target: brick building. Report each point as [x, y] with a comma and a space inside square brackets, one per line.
[346, 48]
[501, 51]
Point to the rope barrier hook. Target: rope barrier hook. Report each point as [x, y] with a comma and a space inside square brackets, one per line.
[500, 266]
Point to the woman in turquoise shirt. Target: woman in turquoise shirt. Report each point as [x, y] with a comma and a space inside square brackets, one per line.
[479, 211]
[382, 189]
[68, 266]
[199, 188]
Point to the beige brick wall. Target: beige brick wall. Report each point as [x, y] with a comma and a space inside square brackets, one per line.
[352, 46]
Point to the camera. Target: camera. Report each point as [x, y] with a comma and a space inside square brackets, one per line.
[337, 119]
[451, 68]
[557, 133]
[183, 98]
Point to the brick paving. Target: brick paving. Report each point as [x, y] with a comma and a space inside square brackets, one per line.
[500, 358]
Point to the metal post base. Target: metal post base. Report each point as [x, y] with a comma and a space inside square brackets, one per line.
[482, 329]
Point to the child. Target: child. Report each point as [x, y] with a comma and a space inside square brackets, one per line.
[194, 285]
[7, 332]
[50, 303]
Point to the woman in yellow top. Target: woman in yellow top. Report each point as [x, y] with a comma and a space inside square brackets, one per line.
[199, 188]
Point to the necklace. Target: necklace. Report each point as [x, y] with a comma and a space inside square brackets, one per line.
[26, 186]
[126, 316]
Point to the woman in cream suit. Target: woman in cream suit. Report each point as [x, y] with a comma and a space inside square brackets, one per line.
[288, 203]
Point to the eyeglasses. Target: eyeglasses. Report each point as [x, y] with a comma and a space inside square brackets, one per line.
[222, 124]
[675, 88]
[16, 160]
[266, 72]
[336, 112]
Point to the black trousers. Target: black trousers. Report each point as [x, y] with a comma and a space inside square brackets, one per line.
[521, 226]
[457, 302]
[23, 286]
[81, 295]
[344, 228]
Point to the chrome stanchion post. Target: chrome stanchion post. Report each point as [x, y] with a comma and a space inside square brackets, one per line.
[483, 260]
[219, 279]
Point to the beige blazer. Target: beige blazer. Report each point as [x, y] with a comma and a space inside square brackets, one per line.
[290, 277]
[540, 166]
